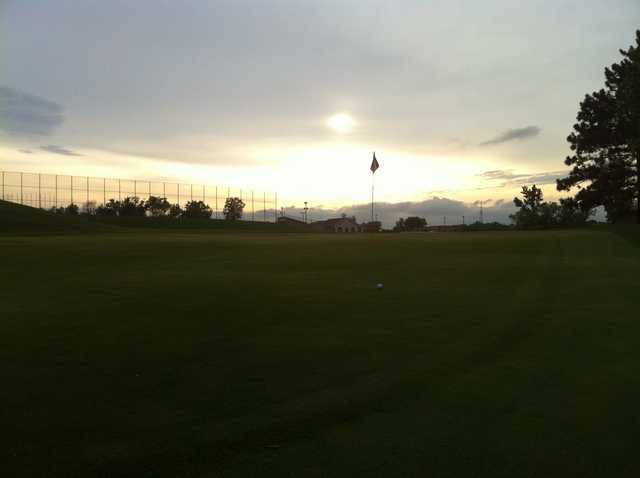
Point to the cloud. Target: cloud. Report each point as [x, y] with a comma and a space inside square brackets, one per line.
[435, 210]
[517, 134]
[25, 114]
[52, 148]
[508, 178]
[25, 151]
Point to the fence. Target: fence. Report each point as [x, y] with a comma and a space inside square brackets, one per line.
[46, 191]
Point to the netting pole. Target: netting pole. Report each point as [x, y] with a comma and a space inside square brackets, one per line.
[87, 191]
[216, 202]
[21, 189]
[135, 188]
[119, 191]
[204, 197]
[178, 184]
[56, 193]
[149, 189]
[253, 208]
[104, 191]
[264, 207]
[276, 207]
[191, 185]
[164, 190]
[71, 189]
[3, 185]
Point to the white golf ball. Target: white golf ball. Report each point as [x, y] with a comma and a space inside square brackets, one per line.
[380, 286]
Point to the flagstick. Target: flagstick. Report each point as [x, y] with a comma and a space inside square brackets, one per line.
[372, 176]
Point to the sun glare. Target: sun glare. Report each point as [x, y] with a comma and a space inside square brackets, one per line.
[341, 123]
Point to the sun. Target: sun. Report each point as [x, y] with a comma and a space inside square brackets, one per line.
[341, 123]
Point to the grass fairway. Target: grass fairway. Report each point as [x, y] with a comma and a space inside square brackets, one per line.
[152, 353]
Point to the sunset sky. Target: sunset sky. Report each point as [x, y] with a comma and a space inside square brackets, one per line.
[461, 100]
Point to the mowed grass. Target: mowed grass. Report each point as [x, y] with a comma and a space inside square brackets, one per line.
[233, 355]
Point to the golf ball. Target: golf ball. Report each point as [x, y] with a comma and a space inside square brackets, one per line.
[380, 286]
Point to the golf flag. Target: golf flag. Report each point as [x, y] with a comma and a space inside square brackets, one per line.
[374, 164]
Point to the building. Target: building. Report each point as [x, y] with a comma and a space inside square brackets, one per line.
[341, 224]
[372, 226]
[290, 221]
[444, 228]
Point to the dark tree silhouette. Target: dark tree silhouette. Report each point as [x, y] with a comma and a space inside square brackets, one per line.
[606, 142]
[72, 209]
[412, 223]
[111, 208]
[197, 210]
[90, 208]
[157, 206]
[233, 208]
[132, 206]
[532, 199]
[175, 211]
[57, 210]
[415, 223]
[535, 213]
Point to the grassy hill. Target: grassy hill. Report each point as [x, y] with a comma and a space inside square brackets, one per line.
[485, 354]
[18, 219]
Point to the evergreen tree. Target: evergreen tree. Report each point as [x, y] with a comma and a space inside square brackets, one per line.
[606, 142]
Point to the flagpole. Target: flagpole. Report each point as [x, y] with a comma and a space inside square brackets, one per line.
[374, 167]
[372, 177]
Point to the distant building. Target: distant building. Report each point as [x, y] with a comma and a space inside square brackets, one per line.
[443, 228]
[372, 226]
[291, 221]
[341, 224]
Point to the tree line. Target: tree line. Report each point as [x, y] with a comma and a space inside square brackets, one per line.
[133, 206]
[534, 212]
[605, 159]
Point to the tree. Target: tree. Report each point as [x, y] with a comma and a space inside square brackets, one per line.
[606, 142]
[528, 215]
[175, 211]
[157, 206]
[233, 208]
[132, 206]
[414, 223]
[571, 214]
[532, 199]
[197, 210]
[536, 213]
[111, 208]
[89, 208]
[71, 210]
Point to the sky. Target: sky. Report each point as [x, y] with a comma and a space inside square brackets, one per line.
[463, 101]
